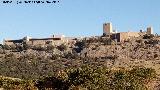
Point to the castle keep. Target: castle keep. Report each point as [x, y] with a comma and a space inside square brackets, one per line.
[107, 28]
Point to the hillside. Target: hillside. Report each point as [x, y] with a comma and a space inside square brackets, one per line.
[34, 62]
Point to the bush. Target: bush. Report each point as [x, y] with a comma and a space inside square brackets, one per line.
[39, 48]
[62, 47]
[6, 47]
[71, 55]
[87, 78]
[148, 36]
[53, 83]
[19, 47]
[80, 45]
[152, 42]
[26, 46]
[106, 41]
[101, 78]
[50, 47]
[14, 84]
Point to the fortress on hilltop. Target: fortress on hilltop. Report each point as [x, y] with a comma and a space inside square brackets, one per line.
[122, 36]
[61, 39]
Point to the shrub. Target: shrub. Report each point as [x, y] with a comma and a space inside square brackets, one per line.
[88, 78]
[55, 56]
[39, 48]
[52, 83]
[26, 46]
[14, 84]
[107, 41]
[71, 55]
[80, 46]
[50, 47]
[152, 42]
[19, 47]
[148, 36]
[62, 47]
[6, 47]
[101, 78]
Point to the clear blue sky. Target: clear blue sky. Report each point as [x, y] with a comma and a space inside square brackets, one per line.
[77, 17]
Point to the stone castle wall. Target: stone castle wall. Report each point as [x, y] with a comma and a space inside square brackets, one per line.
[37, 41]
[124, 36]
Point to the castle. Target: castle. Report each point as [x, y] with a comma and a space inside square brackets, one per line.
[58, 40]
[122, 36]
[54, 40]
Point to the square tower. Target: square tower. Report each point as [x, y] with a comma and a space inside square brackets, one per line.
[107, 28]
[149, 30]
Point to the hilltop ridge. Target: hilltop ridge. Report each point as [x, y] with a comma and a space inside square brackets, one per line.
[33, 62]
[103, 50]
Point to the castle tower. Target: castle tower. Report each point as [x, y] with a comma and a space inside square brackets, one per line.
[27, 38]
[149, 30]
[107, 28]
